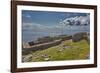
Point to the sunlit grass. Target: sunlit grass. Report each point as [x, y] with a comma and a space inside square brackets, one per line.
[67, 50]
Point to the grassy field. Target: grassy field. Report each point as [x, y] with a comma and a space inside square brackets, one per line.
[67, 50]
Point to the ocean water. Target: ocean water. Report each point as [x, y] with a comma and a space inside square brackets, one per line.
[32, 36]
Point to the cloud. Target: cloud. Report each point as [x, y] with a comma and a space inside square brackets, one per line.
[31, 26]
[27, 15]
[72, 23]
[76, 21]
[37, 27]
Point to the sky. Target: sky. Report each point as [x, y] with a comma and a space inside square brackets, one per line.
[46, 17]
[37, 24]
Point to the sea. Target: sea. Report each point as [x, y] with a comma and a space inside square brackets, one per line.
[33, 36]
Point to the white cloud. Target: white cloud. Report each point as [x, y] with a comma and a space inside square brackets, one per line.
[77, 20]
[64, 24]
[31, 26]
[26, 15]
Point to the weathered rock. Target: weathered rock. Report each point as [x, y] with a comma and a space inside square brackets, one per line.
[60, 50]
[46, 59]
[27, 58]
[79, 36]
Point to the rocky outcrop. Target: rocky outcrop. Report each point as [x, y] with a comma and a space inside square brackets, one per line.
[79, 36]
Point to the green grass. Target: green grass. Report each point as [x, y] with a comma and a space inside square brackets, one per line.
[70, 51]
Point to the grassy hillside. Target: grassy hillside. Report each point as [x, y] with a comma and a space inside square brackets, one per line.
[67, 50]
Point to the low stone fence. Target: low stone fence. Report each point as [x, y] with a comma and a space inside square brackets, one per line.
[66, 38]
[29, 49]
